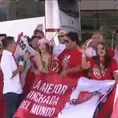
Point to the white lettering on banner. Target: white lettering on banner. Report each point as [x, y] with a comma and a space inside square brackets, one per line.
[42, 111]
[51, 88]
[44, 98]
[37, 86]
[23, 46]
[41, 98]
[25, 104]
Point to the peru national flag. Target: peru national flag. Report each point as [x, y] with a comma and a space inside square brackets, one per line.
[23, 48]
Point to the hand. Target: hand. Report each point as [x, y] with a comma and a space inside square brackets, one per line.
[26, 56]
[21, 68]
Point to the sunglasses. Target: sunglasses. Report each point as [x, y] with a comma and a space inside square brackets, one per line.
[60, 36]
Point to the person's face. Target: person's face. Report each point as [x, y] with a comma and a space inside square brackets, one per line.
[39, 35]
[34, 42]
[101, 50]
[61, 37]
[42, 47]
[68, 43]
[97, 37]
[13, 46]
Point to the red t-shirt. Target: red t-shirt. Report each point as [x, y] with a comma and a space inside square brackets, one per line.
[106, 74]
[111, 52]
[70, 59]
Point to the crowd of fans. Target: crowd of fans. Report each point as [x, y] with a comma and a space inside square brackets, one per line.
[91, 59]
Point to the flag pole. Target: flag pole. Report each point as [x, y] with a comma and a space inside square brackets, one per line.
[79, 9]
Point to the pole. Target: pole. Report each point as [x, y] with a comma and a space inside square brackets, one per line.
[112, 40]
[97, 16]
[79, 9]
[52, 19]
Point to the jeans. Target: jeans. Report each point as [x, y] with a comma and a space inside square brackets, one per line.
[13, 101]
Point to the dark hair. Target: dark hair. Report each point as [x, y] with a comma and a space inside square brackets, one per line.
[7, 40]
[73, 36]
[28, 39]
[107, 58]
[35, 37]
[48, 48]
[36, 31]
[3, 35]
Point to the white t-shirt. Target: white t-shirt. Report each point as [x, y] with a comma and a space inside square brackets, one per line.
[8, 66]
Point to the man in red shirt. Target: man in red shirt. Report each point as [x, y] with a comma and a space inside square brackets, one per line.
[71, 57]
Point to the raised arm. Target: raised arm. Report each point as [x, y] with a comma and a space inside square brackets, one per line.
[85, 64]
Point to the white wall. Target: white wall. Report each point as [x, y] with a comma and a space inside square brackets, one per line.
[27, 26]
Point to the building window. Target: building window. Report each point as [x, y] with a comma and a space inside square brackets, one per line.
[20, 9]
[3, 14]
[30, 9]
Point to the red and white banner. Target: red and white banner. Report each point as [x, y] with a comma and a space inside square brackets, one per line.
[47, 97]
[95, 92]
[51, 97]
[22, 49]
